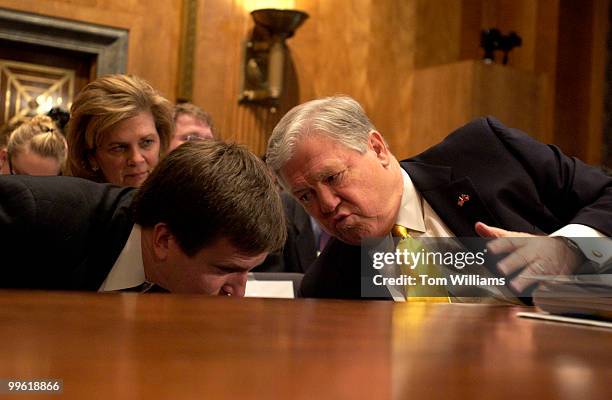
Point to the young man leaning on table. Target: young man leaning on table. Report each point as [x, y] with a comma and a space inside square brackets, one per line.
[206, 216]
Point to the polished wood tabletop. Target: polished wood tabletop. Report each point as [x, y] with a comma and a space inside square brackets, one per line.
[160, 346]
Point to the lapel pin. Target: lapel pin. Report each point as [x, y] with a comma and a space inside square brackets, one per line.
[463, 198]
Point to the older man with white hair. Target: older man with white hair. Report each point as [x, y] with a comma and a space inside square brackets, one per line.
[484, 179]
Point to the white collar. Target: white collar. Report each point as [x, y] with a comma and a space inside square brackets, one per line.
[128, 271]
[410, 213]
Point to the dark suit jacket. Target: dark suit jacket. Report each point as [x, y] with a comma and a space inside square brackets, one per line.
[300, 249]
[514, 182]
[60, 232]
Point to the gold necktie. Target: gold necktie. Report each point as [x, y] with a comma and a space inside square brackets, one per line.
[418, 292]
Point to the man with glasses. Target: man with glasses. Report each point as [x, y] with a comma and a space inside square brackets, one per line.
[190, 123]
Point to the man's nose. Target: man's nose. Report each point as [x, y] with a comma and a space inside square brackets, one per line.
[328, 201]
[236, 284]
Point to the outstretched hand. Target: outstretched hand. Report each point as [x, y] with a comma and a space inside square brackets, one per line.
[533, 255]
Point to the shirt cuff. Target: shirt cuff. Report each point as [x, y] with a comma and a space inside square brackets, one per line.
[595, 246]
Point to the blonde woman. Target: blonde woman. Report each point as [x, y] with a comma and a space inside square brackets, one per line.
[118, 130]
[36, 148]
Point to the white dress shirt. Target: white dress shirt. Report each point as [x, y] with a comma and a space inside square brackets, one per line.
[128, 270]
[417, 215]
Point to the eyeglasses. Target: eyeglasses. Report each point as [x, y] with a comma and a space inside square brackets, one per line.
[194, 138]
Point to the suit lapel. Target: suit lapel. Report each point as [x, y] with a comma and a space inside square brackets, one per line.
[456, 201]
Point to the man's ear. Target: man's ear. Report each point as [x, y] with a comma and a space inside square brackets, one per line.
[377, 144]
[161, 241]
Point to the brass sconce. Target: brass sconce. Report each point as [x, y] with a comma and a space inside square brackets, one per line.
[263, 63]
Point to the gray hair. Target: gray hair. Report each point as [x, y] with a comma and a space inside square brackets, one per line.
[339, 117]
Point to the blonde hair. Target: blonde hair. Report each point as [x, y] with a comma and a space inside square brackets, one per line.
[41, 136]
[8, 128]
[104, 103]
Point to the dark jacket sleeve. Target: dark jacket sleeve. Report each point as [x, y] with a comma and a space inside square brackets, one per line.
[574, 191]
[60, 232]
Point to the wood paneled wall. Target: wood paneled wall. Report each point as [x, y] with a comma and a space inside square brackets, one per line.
[344, 47]
[580, 77]
[363, 48]
[153, 31]
[368, 49]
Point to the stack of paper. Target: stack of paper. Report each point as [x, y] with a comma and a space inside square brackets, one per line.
[581, 299]
[575, 297]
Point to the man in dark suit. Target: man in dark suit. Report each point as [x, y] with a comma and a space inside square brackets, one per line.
[483, 179]
[304, 241]
[205, 217]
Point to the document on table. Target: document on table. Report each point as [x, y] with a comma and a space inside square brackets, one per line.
[560, 318]
[270, 289]
[578, 299]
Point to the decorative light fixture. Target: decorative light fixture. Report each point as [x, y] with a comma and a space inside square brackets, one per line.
[263, 63]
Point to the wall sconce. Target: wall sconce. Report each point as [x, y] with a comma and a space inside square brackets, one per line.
[263, 62]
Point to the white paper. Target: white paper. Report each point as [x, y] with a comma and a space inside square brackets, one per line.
[570, 320]
[270, 289]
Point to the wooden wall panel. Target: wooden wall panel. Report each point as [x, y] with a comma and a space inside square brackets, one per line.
[546, 34]
[572, 100]
[513, 95]
[471, 19]
[153, 26]
[361, 48]
[594, 150]
[368, 49]
[453, 94]
[438, 32]
[223, 27]
[391, 61]
[443, 98]
[537, 24]
[579, 100]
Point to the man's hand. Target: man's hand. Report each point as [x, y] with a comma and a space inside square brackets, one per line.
[535, 255]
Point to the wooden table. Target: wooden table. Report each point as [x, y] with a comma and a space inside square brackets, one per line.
[157, 346]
